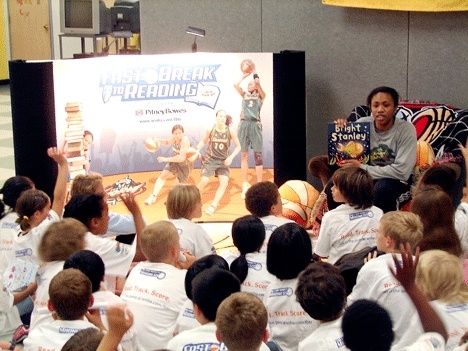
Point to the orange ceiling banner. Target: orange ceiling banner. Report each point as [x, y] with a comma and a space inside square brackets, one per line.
[404, 5]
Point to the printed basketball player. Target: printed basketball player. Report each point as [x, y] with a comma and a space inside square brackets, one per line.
[250, 126]
[216, 160]
[176, 165]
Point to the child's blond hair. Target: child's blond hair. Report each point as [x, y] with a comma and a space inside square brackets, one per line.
[403, 227]
[62, 239]
[440, 276]
[158, 239]
[89, 183]
[181, 201]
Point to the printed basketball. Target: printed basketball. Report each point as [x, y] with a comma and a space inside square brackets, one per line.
[298, 199]
[425, 155]
[247, 66]
[192, 154]
[152, 144]
[295, 212]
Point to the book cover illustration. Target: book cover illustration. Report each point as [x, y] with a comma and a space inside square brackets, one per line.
[351, 141]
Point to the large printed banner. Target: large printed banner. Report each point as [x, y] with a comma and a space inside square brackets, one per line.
[404, 5]
[107, 107]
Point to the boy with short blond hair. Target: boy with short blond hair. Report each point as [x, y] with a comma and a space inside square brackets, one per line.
[376, 282]
[241, 322]
[70, 298]
[154, 290]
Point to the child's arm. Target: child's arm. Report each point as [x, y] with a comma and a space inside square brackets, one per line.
[406, 273]
[60, 190]
[120, 319]
[129, 201]
[21, 295]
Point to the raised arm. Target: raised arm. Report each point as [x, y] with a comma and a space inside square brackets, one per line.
[258, 86]
[237, 84]
[120, 319]
[129, 201]
[406, 273]
[60, 190]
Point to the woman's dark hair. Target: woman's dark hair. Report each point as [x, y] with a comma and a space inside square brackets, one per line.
[387, 90]
[11, 191]
[289, 251]
[199, 266]
[248, 235]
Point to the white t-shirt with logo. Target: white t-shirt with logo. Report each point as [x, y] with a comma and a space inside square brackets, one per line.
[375, 282]
[193, 237]
[288, 322]
[345, 229]
[155, 293]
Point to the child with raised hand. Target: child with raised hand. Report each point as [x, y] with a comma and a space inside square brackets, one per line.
[249, 265]
[439, 275]
[375, 282]
[183, 204]
[368, 326]
[354, 224]
[36, 212]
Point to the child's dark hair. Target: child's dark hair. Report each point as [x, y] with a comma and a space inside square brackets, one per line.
[289, 251]
[367, 326]
[84, 207]
[199, 266]
[70, 294]
[356, 186]
[321, 291]
[260, 197]
[28, 203]
[11, 191]
[248, 235]
[90, 263]
[211, 287]
[386, 90]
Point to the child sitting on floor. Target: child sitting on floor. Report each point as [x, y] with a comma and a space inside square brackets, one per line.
[354, 224]
[70, 297]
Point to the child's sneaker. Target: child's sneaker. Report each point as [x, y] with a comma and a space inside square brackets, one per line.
[150, 200]
[245, 187]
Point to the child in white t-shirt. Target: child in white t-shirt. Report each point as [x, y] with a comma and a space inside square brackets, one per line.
[70, 298]
[439, 275]
[354, 224]
[375, 281]
[154, 289]
[183, 204]
[263, 200]
[186, 319]
[321, 291]
[249, 264]
[289, 252]
[60, 240]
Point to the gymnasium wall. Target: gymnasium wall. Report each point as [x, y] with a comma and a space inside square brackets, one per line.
[348, 51]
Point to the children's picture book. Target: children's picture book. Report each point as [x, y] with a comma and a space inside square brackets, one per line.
[349, 142]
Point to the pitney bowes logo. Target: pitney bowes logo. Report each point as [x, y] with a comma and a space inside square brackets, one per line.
[189, 83]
